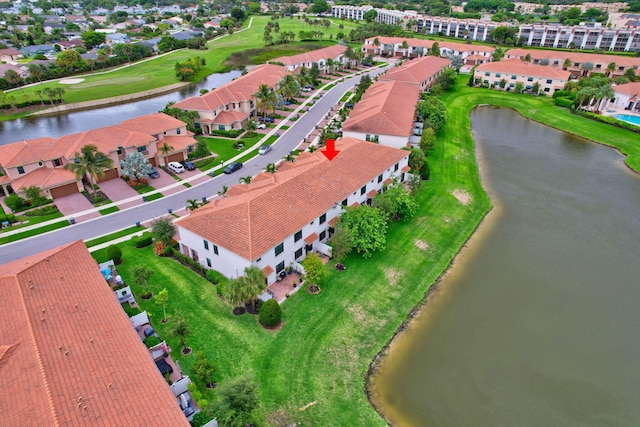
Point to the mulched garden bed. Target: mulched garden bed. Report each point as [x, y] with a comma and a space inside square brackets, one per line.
[253, 308]
[239, 311]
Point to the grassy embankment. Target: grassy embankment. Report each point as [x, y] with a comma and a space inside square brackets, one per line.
[322, 352]
[159, 72]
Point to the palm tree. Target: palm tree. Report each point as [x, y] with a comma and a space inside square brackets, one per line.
[91, 163]
[223, 191]
[251, 125]
[235, 292]
[586, 67]
[245, 179]
[254, 280]
[266, 98]
[405, 47]
[566, 64]
[611, 68]
[270, 168]
[289, 158]
[166, 149]
[288, 87]
[39, 93]
[192, 205]
[303, 76]
[12, 77]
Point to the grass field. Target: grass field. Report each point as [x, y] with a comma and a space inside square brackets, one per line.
[113, 236]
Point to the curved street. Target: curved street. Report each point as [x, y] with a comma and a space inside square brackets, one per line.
[92, 228]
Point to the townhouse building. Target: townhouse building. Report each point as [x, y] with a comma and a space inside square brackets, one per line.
[513, 71]
[274, 221]
[231, 105]
[574, 61]
[69, 354]
[626, 96]
[584, 37]
[318, 56]
[41, 161]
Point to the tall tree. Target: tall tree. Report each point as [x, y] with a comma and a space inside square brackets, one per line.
[266, 98]
[237, 401]
[162, 298]
[91, 163]
[367, 227]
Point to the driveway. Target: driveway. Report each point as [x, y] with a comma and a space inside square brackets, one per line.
[73, 204]
[165, 180]
[117, 190]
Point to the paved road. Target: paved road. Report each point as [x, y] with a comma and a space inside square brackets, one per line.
[127, 218]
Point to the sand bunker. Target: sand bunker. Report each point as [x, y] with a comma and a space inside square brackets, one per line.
[421, 244]
[70, 81]
[462, 196]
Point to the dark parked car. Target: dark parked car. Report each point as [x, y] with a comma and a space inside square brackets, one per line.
[232, 167]
[266, 119]
[164, 367]
[154, 173]
[188, 165]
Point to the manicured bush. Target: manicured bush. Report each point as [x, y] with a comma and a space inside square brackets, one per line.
[215, 277]
[227, 133]
[45, 210]
[563, 102]
[131, 311]
[114, 253]
[200, 419]
[608, 120]
[270, 313]
[14, 202]
[152, 341]
[204, 162]
[142, 241]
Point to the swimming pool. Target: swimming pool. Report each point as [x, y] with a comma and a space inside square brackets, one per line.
[629, 119]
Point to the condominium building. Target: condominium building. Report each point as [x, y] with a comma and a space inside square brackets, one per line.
[508, 73]
[471, 29]
[580, 37]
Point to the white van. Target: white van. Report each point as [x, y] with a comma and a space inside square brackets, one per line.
[176, 167]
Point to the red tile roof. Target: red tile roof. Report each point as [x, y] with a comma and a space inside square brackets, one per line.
[251, 222]
[313, 56]
[230, 117]
[575, 57]
[386, 108]
[516, 66]
[417, 70]
[68, 353]
[628, 88]
[177, 142]
[152, 124]
[44, 178]
[240, 89]
[25, 152]
[311, 238]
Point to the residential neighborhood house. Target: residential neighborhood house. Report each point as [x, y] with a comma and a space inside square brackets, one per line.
[318, 56]
[507, 73]
[275, 220]
[627, 97]
[68, 352]
[41, 161]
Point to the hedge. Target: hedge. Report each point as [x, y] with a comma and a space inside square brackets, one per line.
[204, 162]
[270, 313]
[608, 120]
[215, 277]
[152, 341]
[563, 102]
[227, 133]
[142, 241]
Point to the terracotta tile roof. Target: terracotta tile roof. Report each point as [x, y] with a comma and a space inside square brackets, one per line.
[152, 124]
[10, 51]
[516, 66]
[25, 152]
[106, 139]
[251, 222]
[230, 117]
[178, 143]
[44, 178]
[628, 88]
[371, 194]
[417, 70]
[68, 353]
[386, 108]
[575, 57]
[387, 181]
[240, 89]
[313, 56]
[311, 238]
[332, 222]
[459, 47]
[268, 270]
[405, 169]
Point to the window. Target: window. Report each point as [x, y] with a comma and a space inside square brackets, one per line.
[279, 249]
[323, 218]
[323, 235]
[297, 236]
[215, 249]
[513, 77]
[57, 162]
[380, 178]
[206, 244]
[396, 166]
[344, 202]
[141, 149]
[189, 148]
[280, 267]
[208, 263]
[363, 190]
[298, 254]
[178, 131]
[488, 74]
[556, 62]
[368, 137]
[546, 89]
[20, 170]
[549, 81]
[497, 74]
[220, 127]
[530, 79]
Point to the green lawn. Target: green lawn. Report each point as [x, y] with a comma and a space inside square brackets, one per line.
[32, 220]
[107, 211]
[113, 236]
[34, 232]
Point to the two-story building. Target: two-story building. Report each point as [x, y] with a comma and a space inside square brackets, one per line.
[513, 71]
[626, 96]
[41, 161]
[318, 56]
[420, 71]
[231, 105]
[275, 220]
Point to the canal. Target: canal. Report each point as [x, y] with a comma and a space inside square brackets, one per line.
[536, 324]
[79, 121]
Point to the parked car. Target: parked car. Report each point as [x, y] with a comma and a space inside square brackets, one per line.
[188, 165]
[367, 64]
[175, 167]
[308, 88]
[262, 126]
[232, 167]
[154, 173]
[264, 149]
[266, 119]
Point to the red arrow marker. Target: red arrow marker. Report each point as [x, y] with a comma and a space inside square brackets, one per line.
[330, 150]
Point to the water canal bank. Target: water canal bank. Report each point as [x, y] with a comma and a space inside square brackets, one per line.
[534, 324]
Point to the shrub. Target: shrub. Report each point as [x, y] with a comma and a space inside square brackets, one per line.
[200, 419]
[159, 249]
[142, 241]
[114, 253]
[204, 162]
[215, 277]
[608, 120]
[270, 313]
[45, 210]
[131, 311]
[563, 102]
[227, 133]
[14, 202]
[152, 341]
